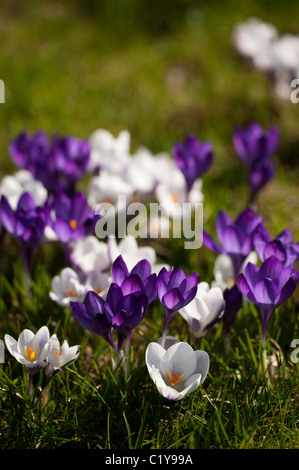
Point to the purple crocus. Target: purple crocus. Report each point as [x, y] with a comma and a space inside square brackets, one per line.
[27, 224]
[58, 162]
[267, 287]
[142, 269]
[255, 148]
[175, 291]
[235, 236]
[72, 218]
[233, 303]
[282, 246]
[193, 158]
[91, 315]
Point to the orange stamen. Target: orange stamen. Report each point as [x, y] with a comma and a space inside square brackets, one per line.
[73, 224]
[174, 379]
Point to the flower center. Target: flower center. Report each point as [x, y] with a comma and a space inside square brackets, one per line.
[174, 378]
[70, 293]
[30, 354]
[73, 224]
[58, 352]
[175, 197]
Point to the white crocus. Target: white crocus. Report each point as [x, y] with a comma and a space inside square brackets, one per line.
[13, 186]
[106, 188]
[58, 356]
[30, 349]
[130, 251]
[142, 171]
[178, 370]
[98, 282]
[109, 152]
[204, 310]
[90, 254]
[224, 275]
[67, 287]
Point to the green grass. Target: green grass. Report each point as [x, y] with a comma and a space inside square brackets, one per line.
[161, 71]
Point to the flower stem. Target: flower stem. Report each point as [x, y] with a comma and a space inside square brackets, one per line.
[26, 257]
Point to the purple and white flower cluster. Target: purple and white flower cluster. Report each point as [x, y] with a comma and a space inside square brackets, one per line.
[111, 286]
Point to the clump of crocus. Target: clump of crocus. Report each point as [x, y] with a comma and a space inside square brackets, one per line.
[27, 224]
[175, 291]
[193, 158]
[256, 148]
[267, 287]
[178, 370]
[58, 162]
[235, 237]
[204, 310]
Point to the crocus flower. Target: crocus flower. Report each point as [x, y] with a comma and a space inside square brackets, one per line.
[175, 291]
[72, 218]
[13, 186]
[204, 310]
[91, 315]
[60, 355]
[70, 159]
[255, 147]
[109, 152]
[282, 246]
[177, 371]
[130, 251]
[126, 305]
[67, 287]
[193, 158]
[267, 287]
[235, 236]
[233, 303]
[27, 224]
[30, 349]
[58, 162]
[89, 254]
[106, 187]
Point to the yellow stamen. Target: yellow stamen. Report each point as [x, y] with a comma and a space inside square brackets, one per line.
[70, 293]
[230, 282]
[30, 354]
[175, 197]
[174, 379]
[73, 224]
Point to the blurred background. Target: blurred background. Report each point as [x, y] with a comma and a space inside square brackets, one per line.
[161, 70]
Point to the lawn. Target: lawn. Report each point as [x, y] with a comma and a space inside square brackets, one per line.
[161, 71]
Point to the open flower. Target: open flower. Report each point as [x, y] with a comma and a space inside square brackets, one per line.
[177, 371]
[71, 217]
[267, 287]
[58, 356]
[204, 310]
[67, 287]
[31, 349]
